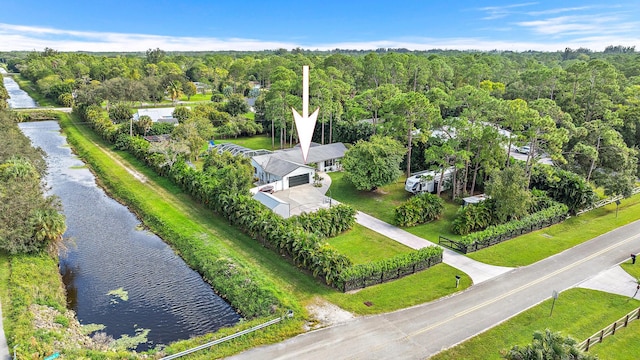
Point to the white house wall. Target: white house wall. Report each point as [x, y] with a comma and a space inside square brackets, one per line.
[298, 171]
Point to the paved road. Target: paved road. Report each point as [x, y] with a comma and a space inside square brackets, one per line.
[424, 330]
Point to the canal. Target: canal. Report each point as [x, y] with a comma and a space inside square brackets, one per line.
[117, 274]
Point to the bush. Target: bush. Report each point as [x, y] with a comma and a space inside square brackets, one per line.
[419, 209]
[551, 215]
[363, 275]
[564, 186]
[327, 222]
[474, 217]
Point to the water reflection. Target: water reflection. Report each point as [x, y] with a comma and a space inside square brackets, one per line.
[164, 294]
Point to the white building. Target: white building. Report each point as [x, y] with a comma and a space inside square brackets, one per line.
[162, 115]
[285, 168]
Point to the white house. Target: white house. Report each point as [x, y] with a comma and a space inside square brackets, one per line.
[163, 115]
[286, 168]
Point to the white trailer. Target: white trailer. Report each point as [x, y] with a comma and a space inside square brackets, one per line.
[428, 181]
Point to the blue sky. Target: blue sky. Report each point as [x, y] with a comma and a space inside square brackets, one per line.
[137, 25]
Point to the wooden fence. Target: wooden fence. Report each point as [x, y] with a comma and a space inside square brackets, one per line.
[609, 330]
[607, 201]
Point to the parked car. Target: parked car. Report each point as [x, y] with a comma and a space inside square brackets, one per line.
[526, 149]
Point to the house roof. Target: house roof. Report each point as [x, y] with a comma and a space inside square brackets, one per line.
[155, 113]
[276, 166]
[268, 200]
[317, 153]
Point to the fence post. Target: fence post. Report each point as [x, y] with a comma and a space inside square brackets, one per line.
[626, 320]
[613, 331]
[601, 335]
[587, 345]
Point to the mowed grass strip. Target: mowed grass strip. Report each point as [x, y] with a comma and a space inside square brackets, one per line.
[297, 287]
[362, 245]
[428, 285]
[632, 269]
[555, 239]
[578, 313]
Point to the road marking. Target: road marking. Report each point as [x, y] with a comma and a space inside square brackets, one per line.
[516, 290]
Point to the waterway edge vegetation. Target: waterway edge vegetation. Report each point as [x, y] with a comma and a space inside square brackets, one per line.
[288, 278]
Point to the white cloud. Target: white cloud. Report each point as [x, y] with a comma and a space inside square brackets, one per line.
[498, 12]
[559, 10]
[16, 37]
[581, 25]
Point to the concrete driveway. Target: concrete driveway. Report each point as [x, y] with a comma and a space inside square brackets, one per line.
[307, 198]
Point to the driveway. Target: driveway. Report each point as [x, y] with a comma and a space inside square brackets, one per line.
[307, 198]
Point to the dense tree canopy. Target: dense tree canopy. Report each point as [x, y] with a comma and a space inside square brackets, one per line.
[29, 220]
[576, 106]
[374, 163]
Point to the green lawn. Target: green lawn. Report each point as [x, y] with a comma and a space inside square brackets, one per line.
[632, 269]
[379, 203]
[431, 284]
[164, 200]
[432, 230]
[552, 240]
[254, 142]
[577, 312]
[196, 97]
[382, 203]
[362, 245]
[624, 345]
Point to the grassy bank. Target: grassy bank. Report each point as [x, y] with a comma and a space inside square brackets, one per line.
[157, 197]
[555, 239]
[577, 312]
[30, 88]
[362, 245]
[31, 292]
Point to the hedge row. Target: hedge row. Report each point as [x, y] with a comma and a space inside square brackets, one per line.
[234, 282]
[363, 275]
[327, 222]
[420, 209]
[551, 215]
[216, 192]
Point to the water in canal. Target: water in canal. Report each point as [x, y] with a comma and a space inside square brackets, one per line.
[116, 274]
[18, 98]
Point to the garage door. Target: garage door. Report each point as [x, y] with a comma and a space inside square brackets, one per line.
[298, 180]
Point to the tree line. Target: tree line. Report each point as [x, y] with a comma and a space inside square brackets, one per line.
[448, 109]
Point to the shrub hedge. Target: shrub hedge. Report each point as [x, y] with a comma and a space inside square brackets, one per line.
[546, 217]
[363, 275]
[420, 209]
[327, 222]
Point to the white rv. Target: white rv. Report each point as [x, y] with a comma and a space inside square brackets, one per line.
[428, 181]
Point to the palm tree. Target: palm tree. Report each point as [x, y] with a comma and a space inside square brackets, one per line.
[549, 346]
[175, 90]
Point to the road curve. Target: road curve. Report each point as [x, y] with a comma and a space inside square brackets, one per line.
[424, 330]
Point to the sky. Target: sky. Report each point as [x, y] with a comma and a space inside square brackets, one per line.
[211, 25]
